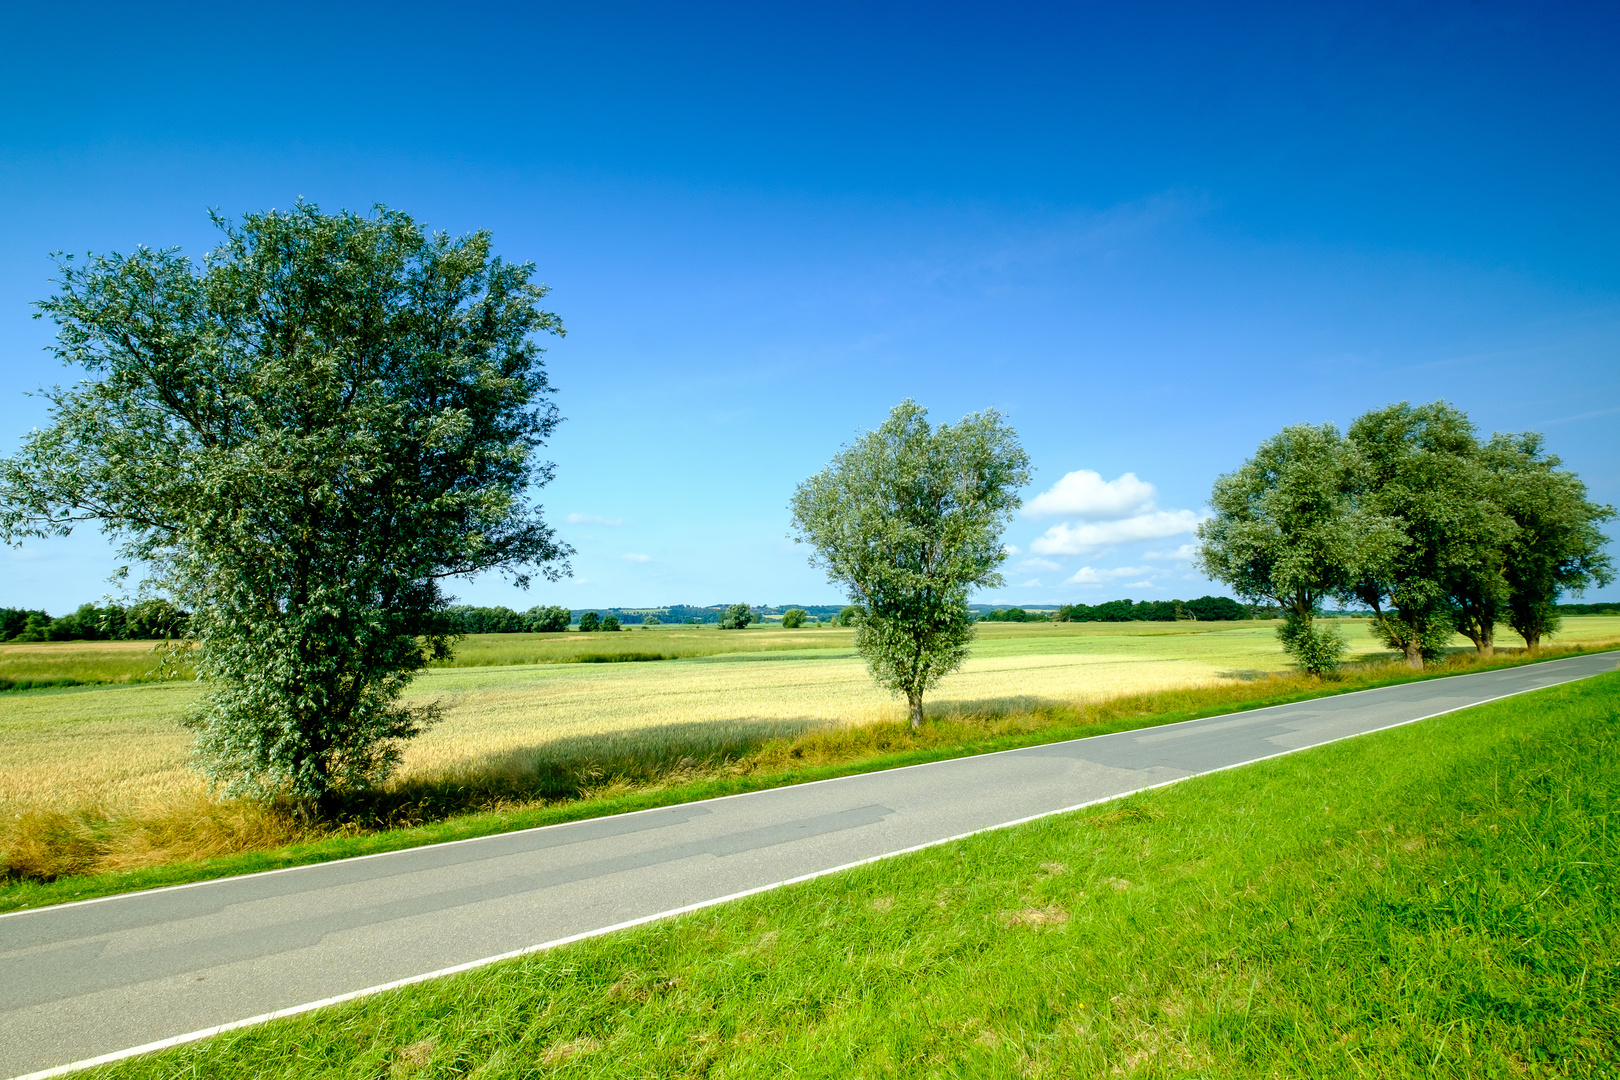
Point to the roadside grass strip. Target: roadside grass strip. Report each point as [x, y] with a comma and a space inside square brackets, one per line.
[73, 852]
[1437, 899]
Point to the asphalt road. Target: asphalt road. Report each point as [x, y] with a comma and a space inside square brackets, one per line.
[82, 980]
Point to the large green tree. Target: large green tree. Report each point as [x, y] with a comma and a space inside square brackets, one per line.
[1556, 544]
[1425, 471]
[908, 519]
[1293, 527]
[300, 437]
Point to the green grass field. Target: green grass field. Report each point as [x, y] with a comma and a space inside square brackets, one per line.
[1434, 900]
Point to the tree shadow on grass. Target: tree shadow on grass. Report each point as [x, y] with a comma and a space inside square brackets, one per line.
[575, 767]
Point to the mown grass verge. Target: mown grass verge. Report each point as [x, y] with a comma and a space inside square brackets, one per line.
[56, 857]
[1433, 900]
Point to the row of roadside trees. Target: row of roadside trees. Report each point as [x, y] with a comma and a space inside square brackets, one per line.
[302, 436]
[1410, 514]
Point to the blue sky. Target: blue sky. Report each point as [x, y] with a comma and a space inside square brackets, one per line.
[1151, 235]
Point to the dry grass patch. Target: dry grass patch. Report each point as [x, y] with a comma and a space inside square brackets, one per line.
[96, 779]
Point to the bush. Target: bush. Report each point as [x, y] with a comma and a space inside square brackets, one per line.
[851, 616]
[610, 623]
[1316, 647]
[737, 617]
[465, 619]
[793, 618]
[546, 620]
[651, 620]
[590, 622]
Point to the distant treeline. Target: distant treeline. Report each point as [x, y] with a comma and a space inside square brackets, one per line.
[152, 620]
[1610, 608]
[1203, 609]
[467, 619]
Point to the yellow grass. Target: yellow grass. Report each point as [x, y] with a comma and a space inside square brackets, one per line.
[74, 760]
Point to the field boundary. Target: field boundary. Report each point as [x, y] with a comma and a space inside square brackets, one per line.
[296, 1010]
[19, 896]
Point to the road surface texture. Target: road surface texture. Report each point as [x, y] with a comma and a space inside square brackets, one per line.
[100, 977]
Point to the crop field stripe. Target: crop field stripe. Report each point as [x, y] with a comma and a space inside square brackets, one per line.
[295, 1010]
[810, 784]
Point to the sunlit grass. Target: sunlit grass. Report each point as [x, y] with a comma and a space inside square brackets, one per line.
[1433, 900]
[96, 779]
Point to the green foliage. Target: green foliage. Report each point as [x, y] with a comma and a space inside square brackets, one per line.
[590, 622]
[908, 519]
[850, 615]
[150, 620]
[1015, 614]
[1556, 545]
[610, 623]
[793, 618]
[21, 624]
[1203, 609]
[1423, 471]
[485, 620]
[651, 621]
[1316, 646]
[736, 617]
[1293, 526]
[546, 620]
[301, 437]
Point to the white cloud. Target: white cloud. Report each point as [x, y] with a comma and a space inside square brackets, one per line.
[632, 556]
[1066, 539]
[1039, 564]
[1182, 554]
[1090, 575]
[1085, 496]
[1032, 583]
[1010, 549]
[593, 519]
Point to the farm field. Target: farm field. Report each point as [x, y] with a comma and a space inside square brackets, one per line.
[100, 754]
[1434, 899]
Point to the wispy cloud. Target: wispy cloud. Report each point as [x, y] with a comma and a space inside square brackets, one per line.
[1090, 575]
[635, 556]
[1182, 554]
[593, 519]
[1039, 564]
[1067, 539]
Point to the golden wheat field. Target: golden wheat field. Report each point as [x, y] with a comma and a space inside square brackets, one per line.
[115, 750]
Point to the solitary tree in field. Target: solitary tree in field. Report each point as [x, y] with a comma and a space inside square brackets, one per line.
[1556, 545]
[1423, 470]
[301, 437]
[793, 618]
[1291, 527]
[736, 617]
[589, 622]
[908, 520]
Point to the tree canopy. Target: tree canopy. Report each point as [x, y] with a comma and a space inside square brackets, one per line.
[1423, 471]
[1290, 527]
[300, 437]
[1413, 517]
[908, 519]
[1555, 545]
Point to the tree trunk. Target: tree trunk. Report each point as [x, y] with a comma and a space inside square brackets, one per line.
[1532, 642]
[916, 712]
[1414, 654]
